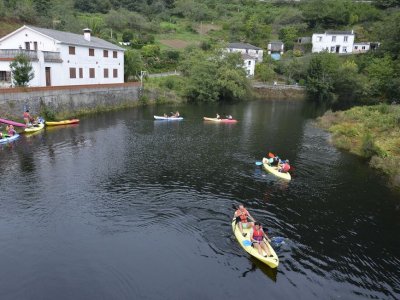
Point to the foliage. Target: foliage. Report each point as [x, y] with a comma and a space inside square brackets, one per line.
[133, 64]
[213, 77]
[321, 74]
[21, 70]
[264, 72]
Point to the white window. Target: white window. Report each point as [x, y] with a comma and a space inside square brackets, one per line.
[249, 63]
[319, 38]
[344, 49]
[333, 49]
[363, 47]
[334, 38]
[345, 38]
[356, 47]
[256, 51]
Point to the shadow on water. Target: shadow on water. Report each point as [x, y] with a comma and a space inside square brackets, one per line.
[257, 265]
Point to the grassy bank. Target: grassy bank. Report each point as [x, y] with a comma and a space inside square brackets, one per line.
[372, 132]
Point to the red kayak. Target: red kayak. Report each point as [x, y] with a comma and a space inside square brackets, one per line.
[12, 123]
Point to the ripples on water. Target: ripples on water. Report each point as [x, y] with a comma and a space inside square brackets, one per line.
[125, 207]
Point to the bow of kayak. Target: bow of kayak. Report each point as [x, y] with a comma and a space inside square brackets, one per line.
[34, 128]
[63, 122]
[220, 120]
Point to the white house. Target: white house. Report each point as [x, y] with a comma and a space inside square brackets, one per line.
[244, 48]
[249, 64]
[333, 42]
[62, 58]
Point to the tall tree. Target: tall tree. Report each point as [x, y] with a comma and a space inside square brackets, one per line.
[21, 70]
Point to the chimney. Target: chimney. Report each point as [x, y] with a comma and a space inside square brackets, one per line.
[86, 34]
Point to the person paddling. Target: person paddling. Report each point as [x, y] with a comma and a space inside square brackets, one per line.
[241, 215]
[284, 167]
[257, 238]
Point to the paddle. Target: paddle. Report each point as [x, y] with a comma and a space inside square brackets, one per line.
[259, 163]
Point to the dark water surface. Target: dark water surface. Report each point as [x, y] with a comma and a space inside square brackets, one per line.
[125, 207]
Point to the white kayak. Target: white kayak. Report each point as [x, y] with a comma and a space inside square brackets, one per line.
[168, 118]
[9, 139]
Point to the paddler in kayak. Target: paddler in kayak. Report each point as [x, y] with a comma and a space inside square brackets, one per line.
[10, 130]
[257, 238]
[284, 167]
[241, 215]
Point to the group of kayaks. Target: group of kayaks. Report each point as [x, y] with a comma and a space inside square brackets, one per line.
[204, 118]
[32, 127]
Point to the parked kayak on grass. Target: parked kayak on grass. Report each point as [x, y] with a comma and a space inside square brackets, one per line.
[274, 170]
[220, 120]
[245, 243]
[9, 139]
[64, 122]
[9, 122]
[34, 128]
[168, 118]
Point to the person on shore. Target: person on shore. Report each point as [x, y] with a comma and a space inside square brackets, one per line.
[241, 215]
[28, 118]
[257, 238]
[284, 167]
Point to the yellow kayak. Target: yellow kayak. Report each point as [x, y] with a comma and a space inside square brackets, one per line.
[274, 170]
[245, 242]
[64, 122]
[34, 128]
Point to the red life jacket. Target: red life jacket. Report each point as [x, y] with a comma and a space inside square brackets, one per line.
[243, 215]
[285, 168]
[258, 235]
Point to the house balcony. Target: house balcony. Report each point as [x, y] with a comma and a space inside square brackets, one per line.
[10, 54]
[52, 57]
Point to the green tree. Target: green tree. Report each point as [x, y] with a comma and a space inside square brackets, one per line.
[214, 77]
[321, 74]
[133, 64]
[380, 73]
[264, 72]
[21, 70]
[288, 35]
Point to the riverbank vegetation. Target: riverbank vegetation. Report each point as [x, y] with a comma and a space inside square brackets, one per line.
[157, 33]
[371, 132]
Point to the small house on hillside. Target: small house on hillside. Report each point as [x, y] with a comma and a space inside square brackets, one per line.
[62, 58]
[340, 42]
[244, 48]
[275, 49]
[365, 47]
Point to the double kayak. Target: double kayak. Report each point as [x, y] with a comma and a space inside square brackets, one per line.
[34, 128]
[168, 118]
[5, 140]
[274, 170]
[245, 243]
[220, 120]
[64, 122]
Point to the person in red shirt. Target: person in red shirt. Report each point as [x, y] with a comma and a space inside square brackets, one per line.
[241, 215]
[285, 167]
[257, 238]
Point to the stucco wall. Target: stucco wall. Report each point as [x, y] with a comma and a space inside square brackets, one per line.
[66, 100]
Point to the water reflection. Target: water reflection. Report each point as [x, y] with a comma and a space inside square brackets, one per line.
[122, 194]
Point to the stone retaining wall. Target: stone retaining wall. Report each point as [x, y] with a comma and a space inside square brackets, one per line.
[67, 101]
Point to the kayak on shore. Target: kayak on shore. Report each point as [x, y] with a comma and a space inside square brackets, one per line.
[220, 120]
[168, 118]
[245, 243]
[64, 122]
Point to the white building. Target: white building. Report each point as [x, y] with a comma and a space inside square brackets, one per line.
[249, 64]
[62, 58]
[244, 48]
[276, 47]
[333, 42]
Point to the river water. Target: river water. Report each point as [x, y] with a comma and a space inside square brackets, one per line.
[125, 207]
